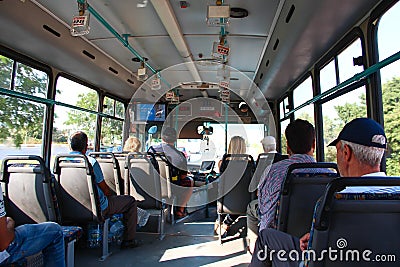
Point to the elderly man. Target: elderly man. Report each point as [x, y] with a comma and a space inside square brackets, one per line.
[252, 213]
[360, 147]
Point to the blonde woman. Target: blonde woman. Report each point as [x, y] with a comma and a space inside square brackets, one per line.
[132, 144]
[237, 145]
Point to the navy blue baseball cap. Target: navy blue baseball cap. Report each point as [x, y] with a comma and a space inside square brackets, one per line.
[362, 131]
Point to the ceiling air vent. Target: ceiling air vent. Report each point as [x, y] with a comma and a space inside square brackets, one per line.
[276, 44]
[51, 30]
[113, 70]
[290, 13]
[89, 55]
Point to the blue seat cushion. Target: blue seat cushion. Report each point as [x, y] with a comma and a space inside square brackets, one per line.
[71, 233]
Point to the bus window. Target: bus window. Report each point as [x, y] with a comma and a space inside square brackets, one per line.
[283, 106]
[388, 44]
[337, 112]
[345, 61]
[327, 76]
[21, 121]
[301, 94]
[111, 128]
[111, 135]
[68, 120]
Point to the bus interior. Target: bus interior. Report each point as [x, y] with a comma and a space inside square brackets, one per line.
[211, 70]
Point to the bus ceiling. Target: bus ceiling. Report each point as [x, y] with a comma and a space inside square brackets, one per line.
[271, 46]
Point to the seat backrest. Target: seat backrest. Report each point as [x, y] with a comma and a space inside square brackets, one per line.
[111, 170]
[299, 193]
[76, 189]
[236, 173]
[145, 185]
[164, 174]
[357, 221]
[123, 170]
[26, 182]
[264, 160]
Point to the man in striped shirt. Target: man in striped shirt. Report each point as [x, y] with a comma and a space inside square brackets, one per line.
[300, 136]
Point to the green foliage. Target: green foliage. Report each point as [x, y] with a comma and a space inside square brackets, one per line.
[331, 131]
[391, 110]
[84, 121]
[111, 132]
[350, 111]
[21, 119]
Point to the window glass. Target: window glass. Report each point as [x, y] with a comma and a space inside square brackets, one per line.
[6, 65]
[69, 120]
[337, 112]
[388, 44]
[31, 81]
[76, 94]
[108, 106]
[283, 107]
[113, 107]
[284, 124]
[345, 61]
[214, 147]
[119, 110]
[21, 125]
[111, 135]
[327, 77]
[21, 121]
[301, 94]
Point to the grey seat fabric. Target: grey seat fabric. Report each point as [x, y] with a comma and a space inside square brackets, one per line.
[233, 183]
[123, 170]
[264, 160]
[110, 167]
[357, 222]
[78, 195]
[165, 177]
[30, 199]
[27, 190]
[300, 192]
[145, 186]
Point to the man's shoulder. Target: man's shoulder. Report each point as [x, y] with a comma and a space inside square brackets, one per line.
[283, 164]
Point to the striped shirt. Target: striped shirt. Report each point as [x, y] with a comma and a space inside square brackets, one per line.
[270, 185]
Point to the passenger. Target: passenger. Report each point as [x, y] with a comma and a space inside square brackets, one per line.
[252, 217]
[300, 136]
[237, 145]
[29, 239]
[360, 147]
[132, 144]
[177, 159]
[110, 204]
[269, 146]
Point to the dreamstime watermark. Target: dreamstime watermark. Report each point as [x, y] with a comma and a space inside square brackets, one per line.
[340, 254]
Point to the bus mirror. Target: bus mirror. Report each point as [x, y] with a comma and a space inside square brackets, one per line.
[152, 129]
[203, 130]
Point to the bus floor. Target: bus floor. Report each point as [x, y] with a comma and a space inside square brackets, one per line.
[190, 242]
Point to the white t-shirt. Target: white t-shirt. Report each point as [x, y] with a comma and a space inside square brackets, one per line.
[3, 254]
